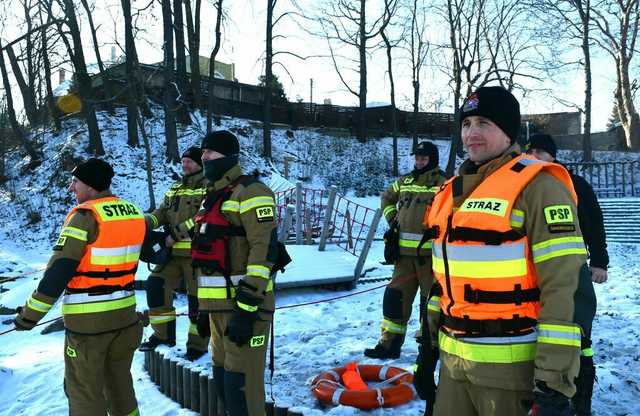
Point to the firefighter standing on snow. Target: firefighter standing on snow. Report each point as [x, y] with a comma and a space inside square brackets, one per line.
[233, 250]
[507, 252]
[176, 212]
[94, 262]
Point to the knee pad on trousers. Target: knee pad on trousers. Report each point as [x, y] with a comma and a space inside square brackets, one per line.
[392, 304]
[193, 308]
[235, 399]
[155, 291]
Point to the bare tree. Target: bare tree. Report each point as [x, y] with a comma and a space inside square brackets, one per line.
[193, 39]
[389, 44]
[28, 99]
[618, 23]
[181, 64]
[133, 93]
[169, 90]
[211, 99]
[345, 22]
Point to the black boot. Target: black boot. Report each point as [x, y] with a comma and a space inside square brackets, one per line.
[153, 342]
[383, 353]
[193, 354]
[584, 387]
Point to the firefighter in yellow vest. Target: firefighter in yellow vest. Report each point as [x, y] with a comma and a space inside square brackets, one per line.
[403, 205]
[175, 214]
[234, 249]
[507, 254]
[93, 266]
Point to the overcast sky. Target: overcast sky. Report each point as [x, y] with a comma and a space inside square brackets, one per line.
[243, 45]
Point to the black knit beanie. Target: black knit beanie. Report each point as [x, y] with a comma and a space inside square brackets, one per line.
[543, 142]
[498, 105]
[221, 141]
[194, 153]
[427, 149]
[94, 172]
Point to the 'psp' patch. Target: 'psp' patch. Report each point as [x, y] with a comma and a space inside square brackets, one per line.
[60, 243]
[264, 214]
[556, 214]
[257, 341]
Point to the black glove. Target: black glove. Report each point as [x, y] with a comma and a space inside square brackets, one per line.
[240, 326]
[202, 323]
[423, 378]
[549, 402]
[21, 323]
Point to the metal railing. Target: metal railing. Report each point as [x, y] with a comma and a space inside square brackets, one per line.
[610, 179]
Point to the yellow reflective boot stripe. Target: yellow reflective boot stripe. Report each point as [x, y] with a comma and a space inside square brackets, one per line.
[488, 353]
[185, 244]
[159, 318]
[434, 304]
[557, 247]
[258, 201]
[587, 352]
[134, 413]
[393, 327]
[193, 329]
[559, 334]
[258, 271]
[71, 309]
[74, 232]
[214, 292]
[38, 305]
[248, 308]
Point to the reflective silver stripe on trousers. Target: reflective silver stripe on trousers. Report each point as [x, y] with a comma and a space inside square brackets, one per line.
[218, 281]
[74, 298]
[410, 236]
[482, 253]
[518, 339]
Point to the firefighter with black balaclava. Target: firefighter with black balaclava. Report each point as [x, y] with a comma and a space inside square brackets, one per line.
[404, 204]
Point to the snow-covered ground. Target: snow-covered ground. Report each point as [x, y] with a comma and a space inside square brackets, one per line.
[308, 338]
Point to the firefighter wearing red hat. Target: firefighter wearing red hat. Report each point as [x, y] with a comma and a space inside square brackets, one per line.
[234, 249]
[175, 215]
[93, 266]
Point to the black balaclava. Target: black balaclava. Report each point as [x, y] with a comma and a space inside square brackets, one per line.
[223, 142]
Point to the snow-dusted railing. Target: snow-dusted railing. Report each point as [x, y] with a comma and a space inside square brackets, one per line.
[613, 179]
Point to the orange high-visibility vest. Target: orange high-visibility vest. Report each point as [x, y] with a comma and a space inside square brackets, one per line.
[112, 260]
[482, 263]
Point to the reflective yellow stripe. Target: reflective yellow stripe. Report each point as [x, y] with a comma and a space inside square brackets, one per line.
[395, 186]
[587, 352]
[38, 305]
[488, 353]
[134, 413]
[258, 201]
[434, 304]
[186, 192]
[230, 205]
[182, 245]
[559, 334]
[162, 318]
[154, 220]
[557, 247]
[188, 224]
[418, 189]
[258, 270]
[74, 232]
[482, 269]
[389, 209]
[71, 309]
[115, 255]
[248, 308]
[414, 244]
[517, 218]
[214, 292]
[193, 329]
[392, 327]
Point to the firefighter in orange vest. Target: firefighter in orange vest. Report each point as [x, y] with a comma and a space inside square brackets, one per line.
[175, 214]
[234, 249]
[507, 254]
[93, 266]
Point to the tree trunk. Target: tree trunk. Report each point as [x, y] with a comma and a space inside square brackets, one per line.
[626, 108]
[268, 84]
[149, 162]
[416, 97]
[11, 113]
[28, 100]
[394, 116]
[181, 61]
[193, 38]
[169, 92]
[586, 51]
[131, 76]
[51, 106]
[84, 81]
[211, 99]
[106, 82]
[456, 142]
[362, 94]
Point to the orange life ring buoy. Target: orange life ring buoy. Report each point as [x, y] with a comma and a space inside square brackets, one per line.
[399, 389]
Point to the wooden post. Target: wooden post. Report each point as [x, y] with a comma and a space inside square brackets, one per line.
[166, 367]
[269, 407]
[179, 384]
[172, 380]
[186, 388]
[367, 244]
[157, 367]
[308, 238]
[151, 365]
[279, 411]
[299, 209]
[347, 219]
[204, 396]
[195, 390]
[147, 361]
[213, 398]
[326, 226]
